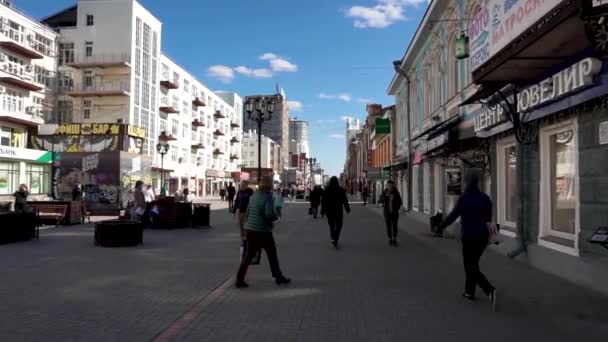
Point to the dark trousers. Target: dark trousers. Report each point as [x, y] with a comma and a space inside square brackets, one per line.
[257, 241]
[230, 203]
[335, 226]
[472, 249]
[391, 219]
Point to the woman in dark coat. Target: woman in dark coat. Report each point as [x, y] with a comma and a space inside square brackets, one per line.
[391, 201]
[21, 198]
[335, 202]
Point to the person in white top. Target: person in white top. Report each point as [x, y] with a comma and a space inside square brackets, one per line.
[149, 194]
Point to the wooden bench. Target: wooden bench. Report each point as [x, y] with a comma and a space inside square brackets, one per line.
[50, 211]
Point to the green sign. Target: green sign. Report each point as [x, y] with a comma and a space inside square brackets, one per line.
[383, 126]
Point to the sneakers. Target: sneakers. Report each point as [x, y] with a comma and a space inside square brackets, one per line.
[282, 280]
[241, 285]
[468, 296]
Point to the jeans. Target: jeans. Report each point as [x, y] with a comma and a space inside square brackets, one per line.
[392, 220]
[335, 226]
[230, 203]
[255, 242]
[472, 249]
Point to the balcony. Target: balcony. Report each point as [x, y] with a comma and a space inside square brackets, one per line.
[197, 146]
[168, 82]
[218, 133]
[217, 152]
[234, 157]
[167, 107]
[197, 123]
[198, 102]
[164, 136]
[16, 41]
[101, 61]
[32, 117]
[234, 140]
[99, 88]
[219, 115]
[234, 125]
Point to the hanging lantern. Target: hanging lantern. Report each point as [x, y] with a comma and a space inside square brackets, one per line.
[461, 47]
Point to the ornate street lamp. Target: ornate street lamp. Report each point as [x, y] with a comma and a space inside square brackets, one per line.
[162, 149]
[311, 162]
[260, 109]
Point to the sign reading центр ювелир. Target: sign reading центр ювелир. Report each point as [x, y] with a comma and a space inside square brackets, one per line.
[499, 22]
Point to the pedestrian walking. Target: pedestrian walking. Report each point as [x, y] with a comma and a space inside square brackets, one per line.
[149, 194]
[139, 202]
[364, 195]
[21, 196]
[391, 202]
[278, 202]
[258, 231]
[77, 192]
[222, 194]
[475, 211]
[315, 200]
[335, 202]
[231, 194]
[185, 193]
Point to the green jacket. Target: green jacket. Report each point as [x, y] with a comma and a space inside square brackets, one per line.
[260, 213]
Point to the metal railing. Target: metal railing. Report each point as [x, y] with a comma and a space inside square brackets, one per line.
[101, 58]
[98, 86]
[23, 38]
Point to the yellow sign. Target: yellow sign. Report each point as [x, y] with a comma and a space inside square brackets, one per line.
[136, 132]
[88, 129]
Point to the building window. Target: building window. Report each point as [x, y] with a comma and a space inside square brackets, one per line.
[559, 188]
[90, 20]
[416, 187]
[37, 178]
[88, 49]
[9, 173]
[88, 79]
[426, 187]
[64, 111]
[507, 184]
[66, 53]
[86, 110]
[146, 42]
[185, 130]
[163, 125]
[174, 153]
[138, 32]
[12, 101]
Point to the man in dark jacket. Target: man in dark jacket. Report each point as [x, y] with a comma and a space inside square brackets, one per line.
[241, 203]
[315, 199]
[334, 202]
[391, 201]
[475, 211]
[231, 193]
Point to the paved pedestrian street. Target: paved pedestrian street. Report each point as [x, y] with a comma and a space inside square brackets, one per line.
[178, 286]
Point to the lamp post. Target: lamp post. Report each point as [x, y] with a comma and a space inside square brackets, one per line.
[259, 109]
[162, 149]
[311, 162]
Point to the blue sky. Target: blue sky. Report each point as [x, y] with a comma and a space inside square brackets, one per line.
[331, 56]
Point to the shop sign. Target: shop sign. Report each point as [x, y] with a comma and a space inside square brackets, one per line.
[136, 132]
[87, 129]
[597, 3]
[437, 142]
[214, 173]
[37, 156]
[499, 22]
[383, 126]
[569, 80]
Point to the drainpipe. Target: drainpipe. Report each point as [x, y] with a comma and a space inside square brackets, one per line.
[397, 67]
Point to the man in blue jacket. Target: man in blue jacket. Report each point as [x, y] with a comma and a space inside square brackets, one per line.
[475, 211]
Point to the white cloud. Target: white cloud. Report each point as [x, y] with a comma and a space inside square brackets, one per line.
[381, 15]
[337, 136]
[221, 72]
[295, 106]
[258, 73]
[364, 100]
[279, 64]
[342, 96]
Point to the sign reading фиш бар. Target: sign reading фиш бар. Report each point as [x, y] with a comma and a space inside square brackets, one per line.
[383, 126]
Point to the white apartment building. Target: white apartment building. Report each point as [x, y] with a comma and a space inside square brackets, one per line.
[271, 153]
[112, 70]
[27, 71]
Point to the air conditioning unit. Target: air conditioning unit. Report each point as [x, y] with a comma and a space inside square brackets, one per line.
[2, 57]
[30, 110]
[29, 68]
[2, 89]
